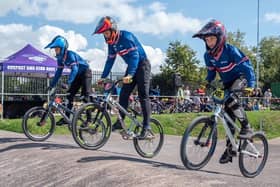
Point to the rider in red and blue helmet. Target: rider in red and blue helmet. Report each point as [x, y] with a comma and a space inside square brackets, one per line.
[138, 72]
[236, 72]
[107, 23]
[213, 28]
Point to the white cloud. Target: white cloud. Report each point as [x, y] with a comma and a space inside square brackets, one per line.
[151, 18]
[76, 41]
[156, 57]
[157, 6]
[15, 36]
[97, 58]
[274, 17]
[21, 7]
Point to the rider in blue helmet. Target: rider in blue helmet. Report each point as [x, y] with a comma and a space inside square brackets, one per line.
[80, 76]
[235, 70]
[59, 42]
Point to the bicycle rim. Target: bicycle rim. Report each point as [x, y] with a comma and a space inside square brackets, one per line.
[197, 147]
[253, 156]
[33, 126]
[151, 146]
[91, 127]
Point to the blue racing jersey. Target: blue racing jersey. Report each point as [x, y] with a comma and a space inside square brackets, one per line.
[231, 63]
[129, 48]
[73, 61]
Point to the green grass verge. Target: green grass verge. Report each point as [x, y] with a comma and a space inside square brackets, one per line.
[267, 121]
[175, 124]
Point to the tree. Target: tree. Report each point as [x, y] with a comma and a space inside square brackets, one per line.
[181, 59]
[270, 57]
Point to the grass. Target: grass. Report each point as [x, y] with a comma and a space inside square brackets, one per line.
[267, 121]
[175, 124]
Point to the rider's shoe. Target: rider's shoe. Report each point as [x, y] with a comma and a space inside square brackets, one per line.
[61, 122]
[116, 126]
[245, 133]
[227, 155]
[145, 133]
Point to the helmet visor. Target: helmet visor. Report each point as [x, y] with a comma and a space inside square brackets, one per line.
[103, 25]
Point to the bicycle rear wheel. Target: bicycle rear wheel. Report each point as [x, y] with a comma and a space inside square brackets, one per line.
[198, 143]
[38, 124]
[150, 146]
[253, 156]
[91, 126]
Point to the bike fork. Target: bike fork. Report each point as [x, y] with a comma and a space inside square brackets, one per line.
[42, 121]
[202, 132]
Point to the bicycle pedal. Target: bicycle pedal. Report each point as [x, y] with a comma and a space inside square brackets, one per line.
[150, 137]
[125, 136]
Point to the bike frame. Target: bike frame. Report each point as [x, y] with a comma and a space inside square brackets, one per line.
[59, 108]
[62, 110]
[116, 106]
[220, 114]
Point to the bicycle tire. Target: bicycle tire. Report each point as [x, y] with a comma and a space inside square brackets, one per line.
[243, 156]
[100, 126]
[32, 127]
[157, 131]
[189, 162]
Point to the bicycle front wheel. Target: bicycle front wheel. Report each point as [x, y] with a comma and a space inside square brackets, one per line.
[150, 146]
[91, 126]
[253, 156]
[198, 143]
[38, 124]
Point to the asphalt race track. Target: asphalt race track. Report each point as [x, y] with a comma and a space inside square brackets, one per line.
[60, 162]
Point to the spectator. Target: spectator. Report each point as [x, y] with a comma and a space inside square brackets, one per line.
[257, 94]
[180, 95]
[155, 91]
[267, 98]
[196, 100]
[187, 93]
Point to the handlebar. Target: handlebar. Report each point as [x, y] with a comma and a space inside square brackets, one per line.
[230, 91]
[114, 83]
[219, 97]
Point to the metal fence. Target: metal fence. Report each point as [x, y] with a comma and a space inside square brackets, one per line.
[25, 88]
[21, 92]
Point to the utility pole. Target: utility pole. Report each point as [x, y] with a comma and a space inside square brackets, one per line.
[258, 48]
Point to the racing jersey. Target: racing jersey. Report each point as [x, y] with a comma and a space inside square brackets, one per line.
[73, 61]
[230, 65]
[129, 48]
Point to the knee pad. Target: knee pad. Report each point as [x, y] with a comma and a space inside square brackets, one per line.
[232, 102]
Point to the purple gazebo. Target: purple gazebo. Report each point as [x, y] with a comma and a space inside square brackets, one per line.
[31, 62]
[27, 62]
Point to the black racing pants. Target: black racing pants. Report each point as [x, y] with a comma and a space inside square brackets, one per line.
[83, 81]
[142, 80]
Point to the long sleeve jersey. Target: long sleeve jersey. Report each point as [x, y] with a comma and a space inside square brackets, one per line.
[129, 48]
[230, 65]
[73, 61]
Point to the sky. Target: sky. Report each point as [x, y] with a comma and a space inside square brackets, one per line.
[155, 23]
